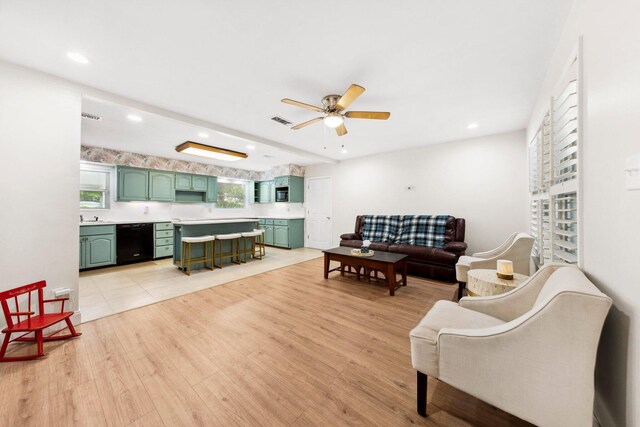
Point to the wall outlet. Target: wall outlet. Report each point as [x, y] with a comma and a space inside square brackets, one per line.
[632, 172]
[146, 209]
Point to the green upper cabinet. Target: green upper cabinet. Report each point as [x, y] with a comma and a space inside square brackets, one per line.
[188, 182]
[133, 184]
[161, 186]
[281, 181]
[199, 183]
[165, 186]
[212, 189]
[296, 189]
[265, 192]
[183, 181]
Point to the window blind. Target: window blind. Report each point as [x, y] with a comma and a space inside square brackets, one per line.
[554, 175]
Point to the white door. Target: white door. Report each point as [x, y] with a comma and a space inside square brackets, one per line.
[319, 230]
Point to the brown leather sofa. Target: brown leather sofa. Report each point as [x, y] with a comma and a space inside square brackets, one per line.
[424, 261]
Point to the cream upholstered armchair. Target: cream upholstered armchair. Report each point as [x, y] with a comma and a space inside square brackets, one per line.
[530, 352]
[517, 248]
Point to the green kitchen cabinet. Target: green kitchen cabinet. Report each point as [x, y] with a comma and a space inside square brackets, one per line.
[133, 184]
[281, 236]
[294, 185]
[268, 231]
[97, 246]
[212, 189]
[199, 182]
[82, 258]
[189, 182]
[161, 186]
[272, 192]
[163, 238]
[265, 192]
[183, 181]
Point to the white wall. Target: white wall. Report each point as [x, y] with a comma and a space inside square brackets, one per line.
[39, 151]
[483, 180]
[611, 215]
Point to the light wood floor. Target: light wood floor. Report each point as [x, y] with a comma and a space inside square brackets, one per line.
[284, 347]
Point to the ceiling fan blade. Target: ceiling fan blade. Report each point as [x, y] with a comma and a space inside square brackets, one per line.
[302, 105]
[307, 123]
[341, 130]
[349, 96]
[375, 115]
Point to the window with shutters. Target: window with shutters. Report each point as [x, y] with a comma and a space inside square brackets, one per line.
[554, 177]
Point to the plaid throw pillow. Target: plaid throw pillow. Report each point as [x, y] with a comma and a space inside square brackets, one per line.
[423, 230]
[381, 228]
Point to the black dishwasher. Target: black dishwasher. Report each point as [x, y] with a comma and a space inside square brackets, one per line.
[134, 242]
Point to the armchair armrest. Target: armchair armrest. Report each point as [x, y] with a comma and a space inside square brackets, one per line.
[456, 247]
[515, 303]
[350, 236]
[494, 253]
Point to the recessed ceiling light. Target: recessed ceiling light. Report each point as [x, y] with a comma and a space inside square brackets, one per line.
[472, 126]
[344, 151]
[251, 147]
[78, 57]
[134, 118]
[203, 135]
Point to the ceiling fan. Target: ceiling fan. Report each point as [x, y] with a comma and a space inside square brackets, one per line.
[333, 110]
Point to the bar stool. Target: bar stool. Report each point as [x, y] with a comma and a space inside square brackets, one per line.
[234, 239]
[260, 242]
[255, 237]
[186, 252]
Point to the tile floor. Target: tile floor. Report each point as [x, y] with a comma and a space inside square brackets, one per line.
[113, 290]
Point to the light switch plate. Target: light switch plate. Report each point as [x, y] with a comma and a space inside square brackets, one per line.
[632, 172]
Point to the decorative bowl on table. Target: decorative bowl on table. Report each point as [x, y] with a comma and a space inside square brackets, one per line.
[358, 252]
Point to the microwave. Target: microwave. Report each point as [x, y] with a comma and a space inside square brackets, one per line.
[282, 194]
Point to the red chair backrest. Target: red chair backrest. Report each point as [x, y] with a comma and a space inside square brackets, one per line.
[15, 293]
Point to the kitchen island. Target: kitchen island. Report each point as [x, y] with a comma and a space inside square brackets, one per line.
[208, 227]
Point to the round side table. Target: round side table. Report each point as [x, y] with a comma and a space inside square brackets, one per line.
[483, 283]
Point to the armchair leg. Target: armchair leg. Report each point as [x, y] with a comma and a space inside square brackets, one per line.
[461, 286]
[422, 394]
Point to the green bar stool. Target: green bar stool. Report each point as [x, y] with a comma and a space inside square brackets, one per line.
[255, 250]
[234, 239]
[207, 241]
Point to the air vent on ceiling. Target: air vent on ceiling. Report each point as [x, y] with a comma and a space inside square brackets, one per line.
[91, 117]
[269, 156]
[282, 121]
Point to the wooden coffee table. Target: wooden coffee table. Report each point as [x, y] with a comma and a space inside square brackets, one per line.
[389, 263]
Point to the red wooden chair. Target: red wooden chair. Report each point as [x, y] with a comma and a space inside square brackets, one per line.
[32, 323]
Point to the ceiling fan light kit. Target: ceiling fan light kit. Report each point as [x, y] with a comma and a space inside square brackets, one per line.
[333, 107]
[333, 120]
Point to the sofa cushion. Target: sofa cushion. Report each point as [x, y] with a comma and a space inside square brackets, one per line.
[444, 314]
[426, 254]
[381, 228]
[376, 246]
[423, 230]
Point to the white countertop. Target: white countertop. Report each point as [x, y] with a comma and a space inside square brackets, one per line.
[281, 217]
[214, 221]
[193, 221]
[84, 223]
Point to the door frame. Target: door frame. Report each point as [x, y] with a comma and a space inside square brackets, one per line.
[306, 199]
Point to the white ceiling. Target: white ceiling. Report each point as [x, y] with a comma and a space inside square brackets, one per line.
[159, 135]
[436, 65]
